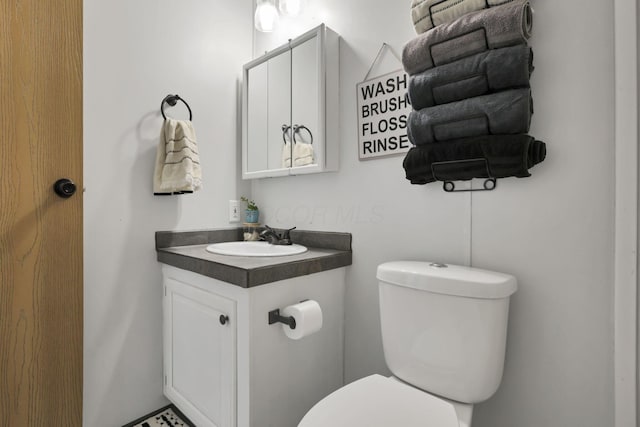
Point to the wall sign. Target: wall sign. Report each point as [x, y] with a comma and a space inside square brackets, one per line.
[383, 110]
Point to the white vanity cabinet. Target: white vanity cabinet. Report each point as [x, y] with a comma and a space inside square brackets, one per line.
[200, 353]
[237, 370]
[290, 97]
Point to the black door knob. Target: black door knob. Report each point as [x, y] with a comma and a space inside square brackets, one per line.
[64, 188]
[224, 319]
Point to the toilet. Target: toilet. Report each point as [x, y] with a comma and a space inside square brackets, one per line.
[444, 330]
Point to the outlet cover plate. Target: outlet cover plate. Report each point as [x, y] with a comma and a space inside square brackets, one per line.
[234, 211]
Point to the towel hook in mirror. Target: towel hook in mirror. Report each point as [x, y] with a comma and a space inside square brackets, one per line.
[296, 128]
[286, 130]
[172, 100]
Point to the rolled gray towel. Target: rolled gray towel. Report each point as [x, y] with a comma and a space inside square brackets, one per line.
[501, 26]
[477, 75]
[507, 112]
[464, 159]
[427, 14]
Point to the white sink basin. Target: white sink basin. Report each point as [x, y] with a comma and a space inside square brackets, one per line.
[254, 249]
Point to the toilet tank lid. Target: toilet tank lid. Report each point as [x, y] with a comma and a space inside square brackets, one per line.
[448, 279]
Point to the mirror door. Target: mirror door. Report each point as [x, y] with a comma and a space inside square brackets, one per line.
[258, 118]
[269, 115]
[306, 87]
[279, 112]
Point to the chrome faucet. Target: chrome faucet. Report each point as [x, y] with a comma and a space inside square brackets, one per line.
[272, 236]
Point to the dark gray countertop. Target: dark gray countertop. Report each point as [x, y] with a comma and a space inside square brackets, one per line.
[186, 250]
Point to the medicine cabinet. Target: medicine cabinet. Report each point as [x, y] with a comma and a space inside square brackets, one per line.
[290, 108]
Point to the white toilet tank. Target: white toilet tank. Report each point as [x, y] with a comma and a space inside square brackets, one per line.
[444, 328]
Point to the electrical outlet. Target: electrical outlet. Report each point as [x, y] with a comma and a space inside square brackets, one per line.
[234, 211]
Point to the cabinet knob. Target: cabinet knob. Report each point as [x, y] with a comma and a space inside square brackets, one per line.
[224, 319]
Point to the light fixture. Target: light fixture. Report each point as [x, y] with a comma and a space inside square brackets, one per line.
[290, 7]
[266, 17]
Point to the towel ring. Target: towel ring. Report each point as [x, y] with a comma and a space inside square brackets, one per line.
[172, 100]
[296, 128]
[285, 131]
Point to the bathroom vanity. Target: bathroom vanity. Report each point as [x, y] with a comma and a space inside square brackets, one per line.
[224, 364]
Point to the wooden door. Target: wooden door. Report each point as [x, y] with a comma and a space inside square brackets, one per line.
[40, 233]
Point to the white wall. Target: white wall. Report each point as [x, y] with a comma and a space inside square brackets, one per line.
[135, 53]
[553, 231]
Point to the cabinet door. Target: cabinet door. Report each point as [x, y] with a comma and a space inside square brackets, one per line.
[306, 90]
[200, 354]
[279, 110]
[267, 119]
[257, 118]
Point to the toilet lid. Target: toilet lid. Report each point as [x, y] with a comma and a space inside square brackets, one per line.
[377, 401]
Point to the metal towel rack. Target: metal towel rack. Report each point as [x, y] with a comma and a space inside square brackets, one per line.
[448, 185]
[172, 100]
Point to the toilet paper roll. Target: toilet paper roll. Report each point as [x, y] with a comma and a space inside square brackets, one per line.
[308, 315]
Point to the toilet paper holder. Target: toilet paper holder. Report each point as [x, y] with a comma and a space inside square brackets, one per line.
[275, 317]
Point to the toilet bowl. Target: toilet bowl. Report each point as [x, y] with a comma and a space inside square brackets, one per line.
[377, 401]
[444, 337]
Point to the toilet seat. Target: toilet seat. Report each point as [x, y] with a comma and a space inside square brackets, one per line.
[377, 401]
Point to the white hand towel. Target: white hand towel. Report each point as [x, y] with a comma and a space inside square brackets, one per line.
[302, 154]
[177, 159]
[286, 155]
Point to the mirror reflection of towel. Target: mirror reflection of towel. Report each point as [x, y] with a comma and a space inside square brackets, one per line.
[286, 155]
[302, 154]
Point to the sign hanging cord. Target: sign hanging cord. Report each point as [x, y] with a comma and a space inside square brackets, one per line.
[379, 55]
